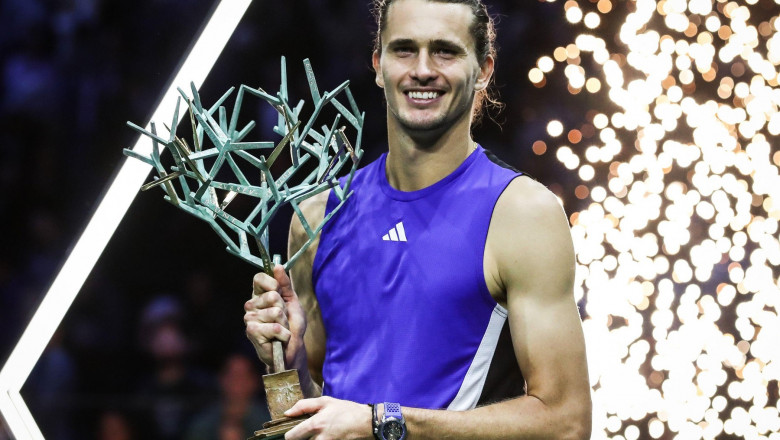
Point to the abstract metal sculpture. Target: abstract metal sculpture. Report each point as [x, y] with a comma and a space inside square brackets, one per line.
[211, 178]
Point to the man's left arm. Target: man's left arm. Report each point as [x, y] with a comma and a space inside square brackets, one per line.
[529, 255]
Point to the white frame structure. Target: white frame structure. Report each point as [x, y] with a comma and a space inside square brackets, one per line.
[196, 66]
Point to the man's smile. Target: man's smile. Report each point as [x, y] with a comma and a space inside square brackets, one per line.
[423, 96]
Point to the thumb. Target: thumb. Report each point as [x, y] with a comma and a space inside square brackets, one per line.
[285, 285]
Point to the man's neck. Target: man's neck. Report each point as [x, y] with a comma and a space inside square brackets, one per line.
[418, 160]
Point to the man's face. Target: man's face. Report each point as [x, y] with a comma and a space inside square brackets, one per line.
[428, 65]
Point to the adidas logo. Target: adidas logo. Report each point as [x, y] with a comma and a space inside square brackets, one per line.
[397, 233]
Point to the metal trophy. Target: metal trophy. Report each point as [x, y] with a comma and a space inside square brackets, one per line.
[221, 167]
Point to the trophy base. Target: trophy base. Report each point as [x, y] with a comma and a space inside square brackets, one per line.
[275, 429]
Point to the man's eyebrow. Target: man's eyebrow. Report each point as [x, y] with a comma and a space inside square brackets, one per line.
[448, 44]
[438, 44]
[400, 42]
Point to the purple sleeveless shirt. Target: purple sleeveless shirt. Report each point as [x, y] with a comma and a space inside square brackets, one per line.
[400, 283]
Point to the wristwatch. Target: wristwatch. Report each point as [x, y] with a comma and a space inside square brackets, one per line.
[391, 426]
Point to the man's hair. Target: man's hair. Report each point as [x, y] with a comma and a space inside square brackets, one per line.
[483, 30]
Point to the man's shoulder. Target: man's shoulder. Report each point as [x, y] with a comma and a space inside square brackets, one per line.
[527, 197]
[529, 236]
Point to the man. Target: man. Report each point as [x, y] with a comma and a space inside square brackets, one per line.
[442, 278]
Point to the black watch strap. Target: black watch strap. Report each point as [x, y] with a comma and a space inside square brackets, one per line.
[374, 421]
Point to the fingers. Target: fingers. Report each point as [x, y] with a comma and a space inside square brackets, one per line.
[305, 406]
[274, 313]
[265, 316]
[261, 282]
[264, 300]
[309, 428]
[261, 333]
[280, 282]
[331, 419]
[271, 315]
[273, 300]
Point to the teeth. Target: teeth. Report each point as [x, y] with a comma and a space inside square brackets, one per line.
[423, 95]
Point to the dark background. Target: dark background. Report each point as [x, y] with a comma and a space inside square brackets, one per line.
[73, 72]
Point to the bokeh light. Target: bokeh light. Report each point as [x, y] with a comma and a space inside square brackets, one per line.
[677, 237]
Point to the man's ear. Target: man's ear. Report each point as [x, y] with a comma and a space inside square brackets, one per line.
[485, 73]
[375, 57]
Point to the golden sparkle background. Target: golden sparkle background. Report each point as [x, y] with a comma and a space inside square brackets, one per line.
[677, 244]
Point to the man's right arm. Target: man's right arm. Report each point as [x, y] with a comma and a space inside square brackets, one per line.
[287, 310]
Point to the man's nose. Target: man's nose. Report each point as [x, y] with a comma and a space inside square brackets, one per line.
[423, 69]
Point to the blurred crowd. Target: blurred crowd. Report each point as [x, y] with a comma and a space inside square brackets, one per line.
[153, 347]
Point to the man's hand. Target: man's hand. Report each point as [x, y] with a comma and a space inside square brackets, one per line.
[274, 313]
[333, 419]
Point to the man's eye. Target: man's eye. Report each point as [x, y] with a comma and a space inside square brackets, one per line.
[445, 53]
[403, 50]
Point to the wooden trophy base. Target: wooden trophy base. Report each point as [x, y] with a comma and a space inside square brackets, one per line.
[275, 429]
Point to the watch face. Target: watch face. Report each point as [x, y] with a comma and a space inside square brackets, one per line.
[392, 430]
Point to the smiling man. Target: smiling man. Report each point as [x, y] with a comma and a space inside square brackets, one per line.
[438, 302]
